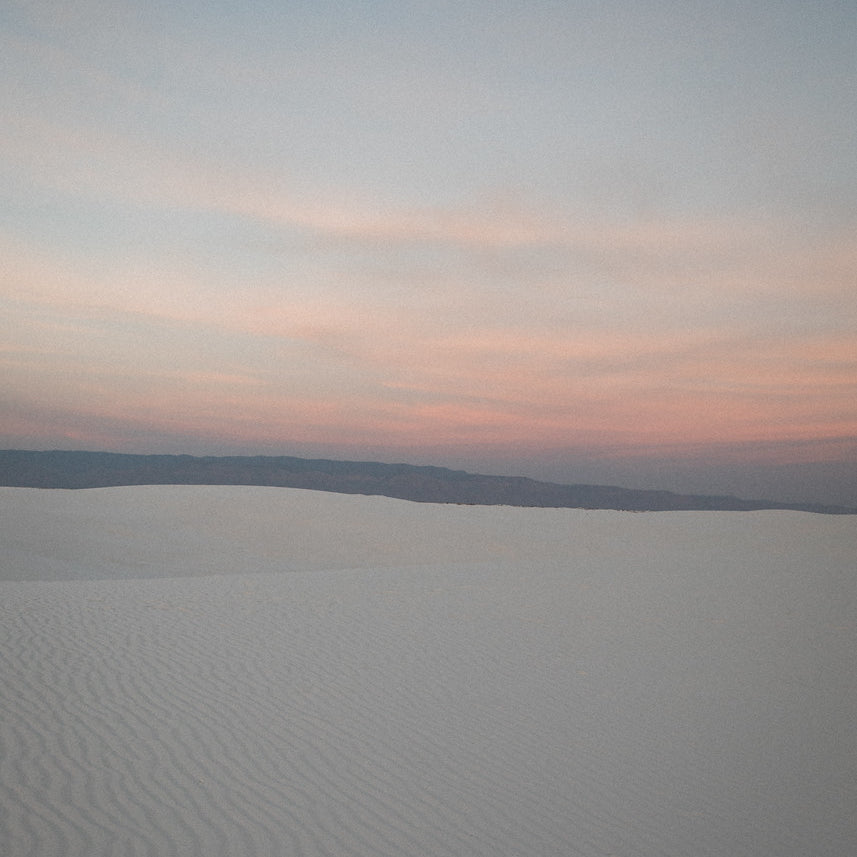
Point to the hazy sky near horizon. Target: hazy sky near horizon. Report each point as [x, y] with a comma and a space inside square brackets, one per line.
[505, 229]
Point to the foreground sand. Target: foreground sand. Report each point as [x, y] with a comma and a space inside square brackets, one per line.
[250, 671]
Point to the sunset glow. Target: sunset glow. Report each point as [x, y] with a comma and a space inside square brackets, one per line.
[524, 237]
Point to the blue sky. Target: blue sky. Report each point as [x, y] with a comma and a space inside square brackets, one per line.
[546, 236]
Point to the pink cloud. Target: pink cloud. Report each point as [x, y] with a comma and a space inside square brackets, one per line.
[701, 331]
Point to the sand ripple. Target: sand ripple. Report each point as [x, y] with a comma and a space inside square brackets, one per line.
[632, 699]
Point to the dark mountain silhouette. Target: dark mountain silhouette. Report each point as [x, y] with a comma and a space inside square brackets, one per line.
[71, 469]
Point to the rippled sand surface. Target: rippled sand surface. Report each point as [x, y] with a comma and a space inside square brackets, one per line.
[251, 671]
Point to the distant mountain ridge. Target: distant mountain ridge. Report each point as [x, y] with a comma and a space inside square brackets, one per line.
[419, 483]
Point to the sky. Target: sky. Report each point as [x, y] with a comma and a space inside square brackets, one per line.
[581, 241]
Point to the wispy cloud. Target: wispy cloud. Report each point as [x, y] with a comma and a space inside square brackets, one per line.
[203, 236]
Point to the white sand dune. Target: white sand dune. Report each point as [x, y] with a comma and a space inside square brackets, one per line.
[251, 671]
